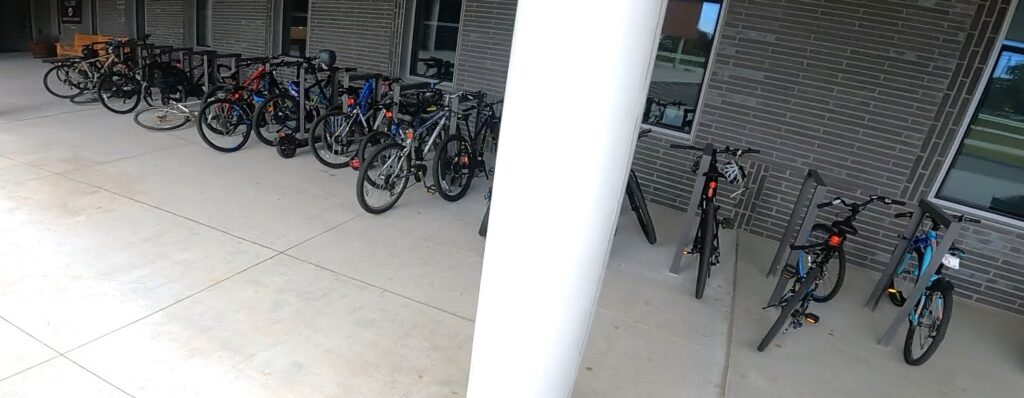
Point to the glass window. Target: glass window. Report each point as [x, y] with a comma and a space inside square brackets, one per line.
[435, 38]
[203, 21]
[987, 171]
[681, 64]
[293, 27]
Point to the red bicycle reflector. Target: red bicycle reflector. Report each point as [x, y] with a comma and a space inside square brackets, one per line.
[463, 160]
[387, 114]
[713, 184]
[351, 101]
[835, 240]
[354, 163]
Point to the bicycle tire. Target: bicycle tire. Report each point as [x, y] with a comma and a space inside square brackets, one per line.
[205, 116]
[639, 204]
[460, 163]
[260, 122]
[707, 225]
[370, 143]
[944, 289]
[349, 139]
[840, 271]
[151, 95]
[85, 97]
[364, 171]
[108, 82]
[787, 311]
[220, 91]
[54, 72]
[167, 127]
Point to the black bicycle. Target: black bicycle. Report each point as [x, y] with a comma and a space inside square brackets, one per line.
[460, 157]
[705, 241]
[810, 274]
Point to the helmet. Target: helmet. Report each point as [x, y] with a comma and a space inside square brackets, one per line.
[326, 58]
[733, 172]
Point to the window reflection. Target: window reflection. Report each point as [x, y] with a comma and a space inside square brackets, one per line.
[681, 63]
[435, 39]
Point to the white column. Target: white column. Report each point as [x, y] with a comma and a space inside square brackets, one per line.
[577, 79]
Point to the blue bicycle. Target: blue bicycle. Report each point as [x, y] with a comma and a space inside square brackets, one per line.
[932, 312]
[336, 134]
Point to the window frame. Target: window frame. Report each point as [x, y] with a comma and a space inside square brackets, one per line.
[979, 94]
[408, 35]
[277, 40]
[678, 135]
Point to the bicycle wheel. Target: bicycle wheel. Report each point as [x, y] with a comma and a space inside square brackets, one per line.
[335, 138]
[219, 91]
[161, 119]
[277, 114]
[924, 337]
[383, 178]
[57, 81]
[789, 307]
[707, 225]
[834, 272]
[453, 167]
[119, 93]
[224, 125]
[151, 95]
[639, 204]
[369, 144]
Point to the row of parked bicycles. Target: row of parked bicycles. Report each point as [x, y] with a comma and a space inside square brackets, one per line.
[389, 130]
[393, 132]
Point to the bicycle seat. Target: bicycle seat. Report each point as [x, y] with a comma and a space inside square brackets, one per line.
[845, 227]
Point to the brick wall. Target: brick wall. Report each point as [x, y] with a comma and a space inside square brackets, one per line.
[165, 21]
[485, 41]
[364, 33]
[113, 17]
[869, 92]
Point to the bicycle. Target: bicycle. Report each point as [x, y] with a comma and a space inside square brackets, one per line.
[335, 135]
[460, 158]
[276, 120]
[415, 106]
[121, 90]
[705, 241]
[638, 202]
[81, 74]
[933, 310]
[388, 168]
[225, 122]
[812, 267]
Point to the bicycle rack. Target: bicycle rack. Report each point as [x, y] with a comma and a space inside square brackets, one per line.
[207, 56]
[396, 92]
[233, 61]
[812, 192]
[913, 226]
[690, 218]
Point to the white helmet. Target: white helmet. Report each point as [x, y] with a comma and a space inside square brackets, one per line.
[733, 172]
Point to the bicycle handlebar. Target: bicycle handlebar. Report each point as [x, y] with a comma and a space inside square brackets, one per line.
[857, 207]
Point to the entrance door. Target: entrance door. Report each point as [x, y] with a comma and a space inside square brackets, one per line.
[16, 27]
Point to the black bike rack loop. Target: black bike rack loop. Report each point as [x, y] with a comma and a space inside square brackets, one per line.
[233, 58]
[690, 219]
[952, 227]
[812, 192]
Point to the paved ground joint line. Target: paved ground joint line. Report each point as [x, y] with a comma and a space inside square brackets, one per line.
[47, 115]
[99, 377]
[380, 288]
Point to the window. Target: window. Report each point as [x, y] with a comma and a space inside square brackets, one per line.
[681, 64]
[435, 37]
[294, 17]
[203, 22]
[987, 170]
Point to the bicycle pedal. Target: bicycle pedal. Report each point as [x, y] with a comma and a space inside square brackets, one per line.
[789, 271]
[431, 189]
[811, 318]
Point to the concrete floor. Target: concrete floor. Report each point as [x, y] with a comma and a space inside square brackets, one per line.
[145, 264]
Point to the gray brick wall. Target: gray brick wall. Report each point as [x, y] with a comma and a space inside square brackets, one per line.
[112, 17]
[485, 40]
[364, 33]
[165, 21]
[242, 26]
[869, 92]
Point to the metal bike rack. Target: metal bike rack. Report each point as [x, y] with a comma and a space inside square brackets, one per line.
[812, 192]
[690, 219]
[233, 60]
[206, 56]
[952, 227]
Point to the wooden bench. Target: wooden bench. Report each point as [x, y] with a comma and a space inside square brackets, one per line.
[81, 40]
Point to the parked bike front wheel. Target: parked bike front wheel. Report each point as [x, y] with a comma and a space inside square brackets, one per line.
[707, 229]
[161, 119]
[638, 203]
[224, 125]
[924, 336]
[57, 81]
[383, 178]
[454, 167]
[119, 93]
[335, 138]
[277, 114]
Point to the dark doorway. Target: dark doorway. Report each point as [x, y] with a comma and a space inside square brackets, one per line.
[293, 26]
[140, 18]
[16, 26]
